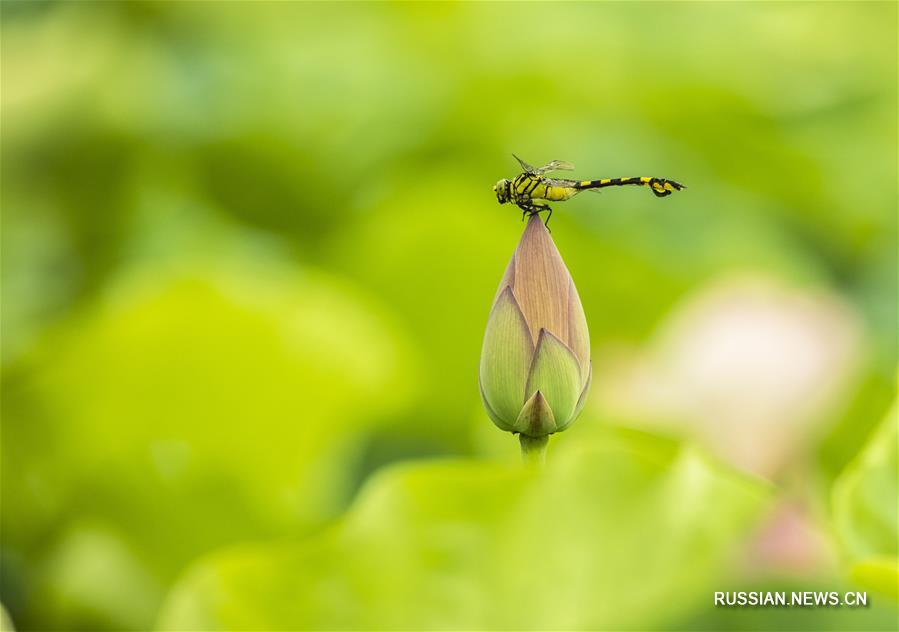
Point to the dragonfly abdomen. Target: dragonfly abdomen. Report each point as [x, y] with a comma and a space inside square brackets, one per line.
[612, 182]
[660, 186]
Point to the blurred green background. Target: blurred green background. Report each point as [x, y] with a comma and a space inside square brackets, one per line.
[248, 252]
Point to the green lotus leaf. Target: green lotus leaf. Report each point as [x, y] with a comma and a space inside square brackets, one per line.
[605, 529]
[864, 506]
[189, 409]
[555, 373]
[505, 360]
[880, 574]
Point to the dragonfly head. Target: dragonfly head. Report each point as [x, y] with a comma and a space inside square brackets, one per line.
[503, 190]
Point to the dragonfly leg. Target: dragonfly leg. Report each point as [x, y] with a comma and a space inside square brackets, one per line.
[526, 209]
[537, 208]
[529, 209]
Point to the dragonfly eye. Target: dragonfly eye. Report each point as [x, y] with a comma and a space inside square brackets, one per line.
[501, 189]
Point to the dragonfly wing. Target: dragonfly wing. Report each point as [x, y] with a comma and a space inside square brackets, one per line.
[525, 166]
[556, 165]
[559, 182]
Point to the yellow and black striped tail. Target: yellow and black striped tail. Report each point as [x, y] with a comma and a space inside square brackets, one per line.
[660, 186]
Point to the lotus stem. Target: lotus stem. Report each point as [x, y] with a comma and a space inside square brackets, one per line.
[533, 449]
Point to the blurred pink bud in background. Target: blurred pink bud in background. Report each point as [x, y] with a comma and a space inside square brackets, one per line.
[748, 366]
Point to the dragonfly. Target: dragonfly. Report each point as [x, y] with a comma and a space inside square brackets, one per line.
[530, 190]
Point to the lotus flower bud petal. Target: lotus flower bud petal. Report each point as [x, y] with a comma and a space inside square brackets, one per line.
[536, 418]
[505, 361]
[582, 399]
[555, 373]
[578, 336]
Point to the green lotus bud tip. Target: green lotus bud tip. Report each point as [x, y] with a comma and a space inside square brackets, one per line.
[535, 363]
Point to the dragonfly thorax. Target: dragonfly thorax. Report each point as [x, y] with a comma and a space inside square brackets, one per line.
[503, 190]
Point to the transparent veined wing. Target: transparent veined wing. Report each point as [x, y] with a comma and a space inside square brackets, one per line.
[556, 165]
[559, 182]
[524, 166]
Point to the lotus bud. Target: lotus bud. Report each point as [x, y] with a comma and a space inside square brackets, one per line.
[535, 363]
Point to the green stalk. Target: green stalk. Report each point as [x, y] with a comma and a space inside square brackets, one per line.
[533, 449]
